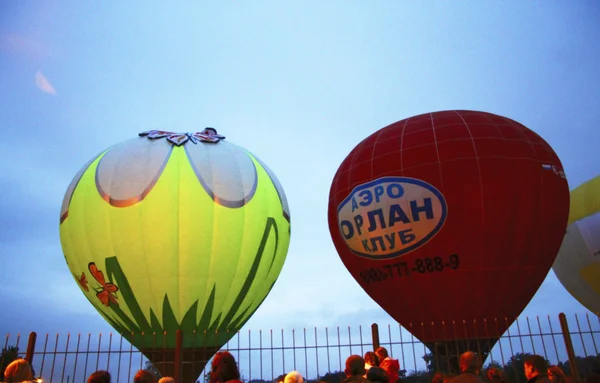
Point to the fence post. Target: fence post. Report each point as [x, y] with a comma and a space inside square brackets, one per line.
[30, 347]
[177, 361]
[564, 326]
[375, 336]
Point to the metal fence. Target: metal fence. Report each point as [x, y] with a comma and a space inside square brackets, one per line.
[317, 353]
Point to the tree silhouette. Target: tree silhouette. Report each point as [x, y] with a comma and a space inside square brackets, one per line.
[8, 355]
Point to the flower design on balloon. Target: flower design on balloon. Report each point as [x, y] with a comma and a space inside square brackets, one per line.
[107, 289]
[226, 171]
[82, 280]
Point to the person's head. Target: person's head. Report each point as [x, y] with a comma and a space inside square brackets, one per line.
[535, 365]
[294, 377]
[496, 375]
[470, 362]
[99, 376]
[280, 378]
[166, 379]
[556, 374]
[592, 378]
[145, 376]
[371, 358]
[210, 131]
[355, 366]
[18, 371]
[224, 368]
[438, 378]
[377, 374]
[381, 353]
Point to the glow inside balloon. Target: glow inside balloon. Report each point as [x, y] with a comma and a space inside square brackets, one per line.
[175, 231]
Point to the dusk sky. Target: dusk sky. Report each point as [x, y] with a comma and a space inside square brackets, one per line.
[299, 84]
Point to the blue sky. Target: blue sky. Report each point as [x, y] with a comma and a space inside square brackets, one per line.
[297, 83]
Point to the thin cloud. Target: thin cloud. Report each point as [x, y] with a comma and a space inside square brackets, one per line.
[22, 45]
[43, 84]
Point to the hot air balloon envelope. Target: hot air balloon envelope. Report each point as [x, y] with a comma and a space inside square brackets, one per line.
[450, 221]
[170, 232]
[577, 265]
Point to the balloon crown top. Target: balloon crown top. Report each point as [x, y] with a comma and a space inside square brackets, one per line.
[208, 135]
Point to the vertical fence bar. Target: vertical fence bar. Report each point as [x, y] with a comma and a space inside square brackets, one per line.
[412, 341]
[98, 354]
[77, 357]
[294, 347]
[327, 345]
[272, 365]
[130, 358]
[249, 355]
[541, 336]
[282, 352]
[360, 337]
[591, 333]
[317, 353]
[350, 340]
[553, 339]
[44, 354]
[62, 377]
[500, 341]
[120, 354]
[339, 347]
[305, 353]
[109, 349]
[87, 354]
[375, 335]
[581, 335]
[54, 358]
[569, 346]
[587, 363]
[238, 341]
[401, 346]
[177, 359]
[530, 334]
[390, 338]
[260, 357]
[512, 351]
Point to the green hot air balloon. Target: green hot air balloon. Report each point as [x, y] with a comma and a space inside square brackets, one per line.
[172, 231]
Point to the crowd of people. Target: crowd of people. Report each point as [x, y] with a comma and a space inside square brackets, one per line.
[374, 367]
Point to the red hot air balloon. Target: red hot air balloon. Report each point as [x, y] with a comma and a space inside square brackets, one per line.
[450, 221]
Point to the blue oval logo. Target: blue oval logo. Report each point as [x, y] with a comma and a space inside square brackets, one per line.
[391, 216]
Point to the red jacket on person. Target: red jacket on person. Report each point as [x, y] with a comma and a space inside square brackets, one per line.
[391, 367]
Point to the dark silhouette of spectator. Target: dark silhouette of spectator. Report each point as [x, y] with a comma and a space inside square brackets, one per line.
[391, 366]
[448, 377]
[377, 375]
[496, 375]
[370, 360]
[470, 369]
[145, 376]
[224, 369]
[556, 375]
[592, 378]
[438, 377]
[536, 369]
[99, 376]
[355, 369]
